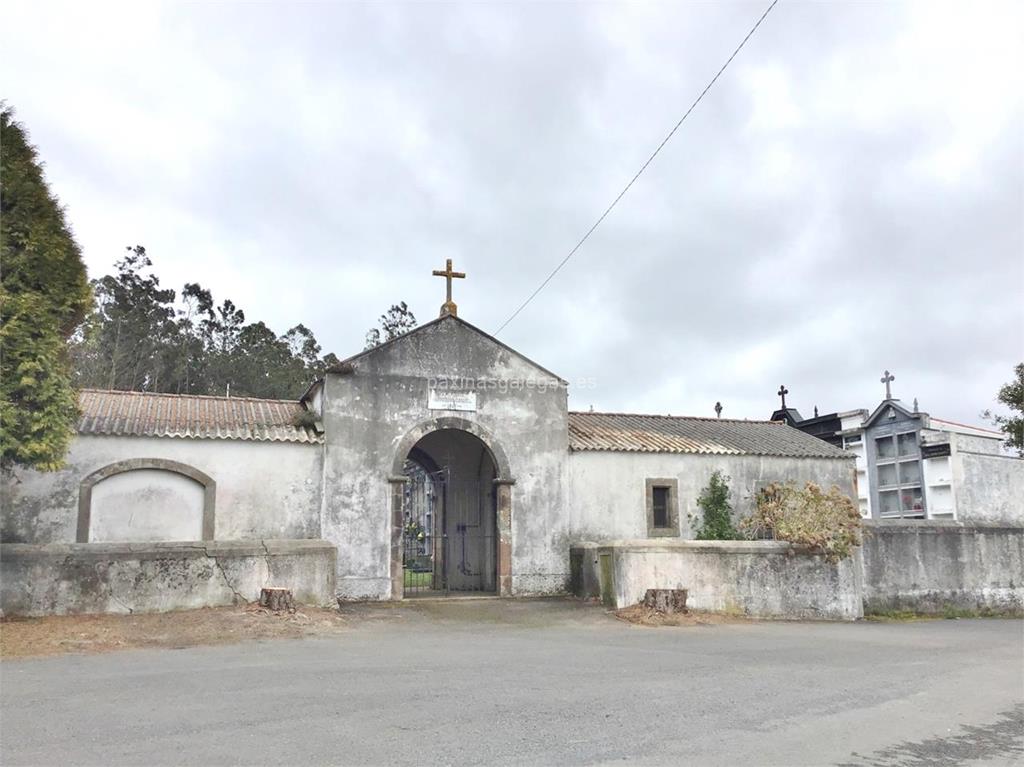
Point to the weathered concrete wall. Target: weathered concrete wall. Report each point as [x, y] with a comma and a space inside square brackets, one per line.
[989, 488]
[928, 566]
[263, 489]
[608, 491]
[370, 414]
[58, 579]
[764, 579]
[974, 444]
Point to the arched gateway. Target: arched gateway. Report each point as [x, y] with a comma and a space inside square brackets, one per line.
[450, 512]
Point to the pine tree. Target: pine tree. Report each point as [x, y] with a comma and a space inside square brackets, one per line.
[44, 295]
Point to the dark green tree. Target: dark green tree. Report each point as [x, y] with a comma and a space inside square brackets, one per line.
[394, 322]
[191, 362]
[130, 341]
[1011, 396]
[44, 295]
[139, 338]
[716, 524]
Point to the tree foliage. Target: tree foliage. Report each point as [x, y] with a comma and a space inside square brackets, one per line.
[44, 294]
[394, 322]
[716, 524]
[1011, 396]
[140, 338]
[827, 521]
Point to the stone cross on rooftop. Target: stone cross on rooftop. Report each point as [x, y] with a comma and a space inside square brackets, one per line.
[449, 306]
[887, 379]
[783, 391]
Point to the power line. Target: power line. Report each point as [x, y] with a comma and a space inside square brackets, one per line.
[643, 167]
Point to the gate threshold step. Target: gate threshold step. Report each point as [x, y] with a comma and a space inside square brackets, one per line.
[447, 597]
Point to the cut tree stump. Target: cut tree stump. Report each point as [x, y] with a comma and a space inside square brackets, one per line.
[277, 599]
[666, 600]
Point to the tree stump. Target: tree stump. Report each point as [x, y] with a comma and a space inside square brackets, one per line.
[666, 600]
[277, 599]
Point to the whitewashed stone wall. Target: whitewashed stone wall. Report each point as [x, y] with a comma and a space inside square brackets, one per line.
[762, 579]
[989, 487]
[608, 489]
[263, 490]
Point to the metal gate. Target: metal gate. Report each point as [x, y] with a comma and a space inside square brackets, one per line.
[449, 541]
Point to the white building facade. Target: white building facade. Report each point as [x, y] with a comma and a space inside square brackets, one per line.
[911, 465]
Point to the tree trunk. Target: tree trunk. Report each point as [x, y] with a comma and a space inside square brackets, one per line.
[666, 600]
[277, 599]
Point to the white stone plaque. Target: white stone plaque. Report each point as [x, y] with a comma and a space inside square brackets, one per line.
[439, 399]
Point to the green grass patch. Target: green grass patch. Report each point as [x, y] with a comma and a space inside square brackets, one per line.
[414, 579]
[948, 613]
[898, 616]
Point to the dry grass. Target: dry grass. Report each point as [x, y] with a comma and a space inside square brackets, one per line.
[54, 635]
[646, 616]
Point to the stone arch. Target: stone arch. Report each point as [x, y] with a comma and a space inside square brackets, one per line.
[134, 464]
[503, 485]
[424, 428]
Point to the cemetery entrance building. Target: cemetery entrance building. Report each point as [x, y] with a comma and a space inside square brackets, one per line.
[441, 461]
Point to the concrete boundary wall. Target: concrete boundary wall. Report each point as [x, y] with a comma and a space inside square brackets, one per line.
[932, 566]
[764, 579]
[57, 579]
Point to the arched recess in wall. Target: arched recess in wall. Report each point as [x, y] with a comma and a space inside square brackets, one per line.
[146, 470]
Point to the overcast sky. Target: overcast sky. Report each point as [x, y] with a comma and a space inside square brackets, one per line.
[849, 197]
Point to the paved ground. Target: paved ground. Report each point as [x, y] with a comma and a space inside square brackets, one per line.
[546, 682]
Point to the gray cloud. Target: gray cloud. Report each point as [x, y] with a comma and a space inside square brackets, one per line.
[847, 198]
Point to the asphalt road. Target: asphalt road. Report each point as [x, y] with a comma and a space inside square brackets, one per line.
[544, 682]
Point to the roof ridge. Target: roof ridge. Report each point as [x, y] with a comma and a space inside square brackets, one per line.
[458, 320]
[663, 415]
[966, 425]
[189, 396]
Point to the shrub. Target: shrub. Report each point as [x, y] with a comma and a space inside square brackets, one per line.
[828, 522]
[714, 502]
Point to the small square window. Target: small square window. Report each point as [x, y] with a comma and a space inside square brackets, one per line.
[889, 501]
[659, 505]
[910, 473]
[662, 507]
[887, 474]
[908, 443]
[885, 447]
[911, 500]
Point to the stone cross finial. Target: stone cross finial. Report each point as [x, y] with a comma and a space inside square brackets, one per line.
[449, 306]
[718, 409]
[887, 379]
[783, 391]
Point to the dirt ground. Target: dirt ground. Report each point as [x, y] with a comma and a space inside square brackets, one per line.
[646, 616]
[53, 635]
[62, 634]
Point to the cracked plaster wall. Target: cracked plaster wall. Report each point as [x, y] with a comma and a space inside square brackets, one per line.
[59, 579]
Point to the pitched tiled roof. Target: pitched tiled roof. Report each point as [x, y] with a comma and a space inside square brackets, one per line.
[144, 414]
[631, 433]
